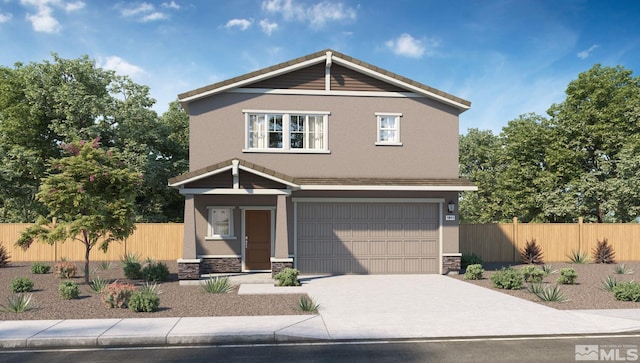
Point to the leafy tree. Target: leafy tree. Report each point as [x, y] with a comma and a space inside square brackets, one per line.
[90, 195]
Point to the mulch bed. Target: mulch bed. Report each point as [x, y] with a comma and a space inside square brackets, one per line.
[586, 294]
[175, 300]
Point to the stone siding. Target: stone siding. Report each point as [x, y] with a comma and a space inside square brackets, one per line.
[450, 265]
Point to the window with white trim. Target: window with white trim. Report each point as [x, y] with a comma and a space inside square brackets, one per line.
[220, 222]
[282, 131]
[388, 128]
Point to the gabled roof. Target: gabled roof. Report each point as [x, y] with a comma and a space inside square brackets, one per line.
[328, 56]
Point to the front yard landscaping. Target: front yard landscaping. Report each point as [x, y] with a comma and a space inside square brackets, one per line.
[588, 291]
[51, 301]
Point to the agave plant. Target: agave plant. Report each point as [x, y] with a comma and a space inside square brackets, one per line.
[603, 252]
[308, 304]
[217, 285]
[609, 283]
[622, 269]
[579, 257]
[531, 253]
[551, 294]
[17, 303]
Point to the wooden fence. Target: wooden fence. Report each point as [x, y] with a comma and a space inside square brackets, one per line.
[503, 242]
[160, 241]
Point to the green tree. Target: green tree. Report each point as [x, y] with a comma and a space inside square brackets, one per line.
[90, 196]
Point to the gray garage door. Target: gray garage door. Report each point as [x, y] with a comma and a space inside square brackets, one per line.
[376, 238]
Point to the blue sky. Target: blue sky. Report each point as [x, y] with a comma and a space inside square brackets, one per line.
[507, 57]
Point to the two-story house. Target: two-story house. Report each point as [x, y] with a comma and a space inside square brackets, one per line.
[324, 163]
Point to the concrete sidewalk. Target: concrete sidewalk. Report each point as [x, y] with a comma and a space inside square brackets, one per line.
[352, 307]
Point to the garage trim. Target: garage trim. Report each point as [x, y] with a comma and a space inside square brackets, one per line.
[440, 202]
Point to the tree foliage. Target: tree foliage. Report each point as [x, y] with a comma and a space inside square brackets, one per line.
[581, 161]
[90, 198]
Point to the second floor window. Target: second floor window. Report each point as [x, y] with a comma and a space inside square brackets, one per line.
[286, 131]
[388, 128]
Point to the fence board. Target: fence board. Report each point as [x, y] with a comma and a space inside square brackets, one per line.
[159, 241]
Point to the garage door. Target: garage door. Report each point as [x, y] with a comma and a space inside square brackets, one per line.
[377, 238]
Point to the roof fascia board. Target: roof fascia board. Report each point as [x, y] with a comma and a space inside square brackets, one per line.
[267, 176]
[432, 188]
[255, 79]
[326, 93]
[229, 191]
[205, 175]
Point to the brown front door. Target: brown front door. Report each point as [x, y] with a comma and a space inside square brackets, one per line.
[257, 242]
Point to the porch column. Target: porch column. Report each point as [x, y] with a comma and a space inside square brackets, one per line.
[189, 265]
[281, 258]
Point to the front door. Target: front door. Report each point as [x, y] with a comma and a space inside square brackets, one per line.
[257, 241]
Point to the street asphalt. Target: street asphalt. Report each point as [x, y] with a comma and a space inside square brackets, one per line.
[352, 308]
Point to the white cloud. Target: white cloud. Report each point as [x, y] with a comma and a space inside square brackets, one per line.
[243, 24]
[407, 46]
[137, 10]
[120, 66]
[154, 16]
[144, 12]
[171, 5]
[5, 17]
[317, 15]
[268, 27]
[73, 6]
[43, 20]
[587, 52]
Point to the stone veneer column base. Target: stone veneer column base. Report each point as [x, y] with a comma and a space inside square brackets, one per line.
[221, 264]
[189, 269]
[279, 264]
[451, 263]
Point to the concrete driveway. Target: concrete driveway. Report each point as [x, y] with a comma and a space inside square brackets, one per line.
[422, 306]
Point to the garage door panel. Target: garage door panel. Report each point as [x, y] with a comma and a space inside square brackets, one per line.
[368, 238]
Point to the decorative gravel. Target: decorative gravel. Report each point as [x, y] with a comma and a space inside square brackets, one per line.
[586, 294]
[175, 300]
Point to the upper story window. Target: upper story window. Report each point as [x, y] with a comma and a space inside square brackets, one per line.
[286, 131]
[388, 128]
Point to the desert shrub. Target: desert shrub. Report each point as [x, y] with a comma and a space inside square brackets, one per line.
[155, 271]
[97, 284]
[17, 303]
[531, 253]
[507, 278]
[308, 305]
[627, 291]
[4, 255]
[144, 301]
[550, 294]
[609, 283]
[21, 284]
[568, 276]
[40, 268]
[217, 285]
[105, 265]
[117, 295]
[532, 274]
[288, 277]
[548, 270]
[131, 266]
[65, 269]
[470, 259]
[474, 272]
[603, 252]
[68, 290]
[622, 269]
[579, 257]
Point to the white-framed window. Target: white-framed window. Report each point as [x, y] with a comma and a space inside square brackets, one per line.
[220, 220]
[286, 131]
[388, 129]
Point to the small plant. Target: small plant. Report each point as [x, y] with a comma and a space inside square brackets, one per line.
[155, 271]
[308, 304]
[132, 266]
[4, 255]
[217, 285]
[288, 277]
[130, 258]
[622, 269]
[531, 274]
[105, 265]
[17, 303]
[627, 291]
[470, 259]
[68, 290]
[97, 284]
[548, 270]
[144, 301]
[65, 269]
[579, 257]
[117, 295]
[603, 252]
[40, 268]
[609, 283]
[507, 278]
[568, 276]
[531, 253]
[150, 288]
[21, 284]
[535, 288]
[550, 294]
[474, 272]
